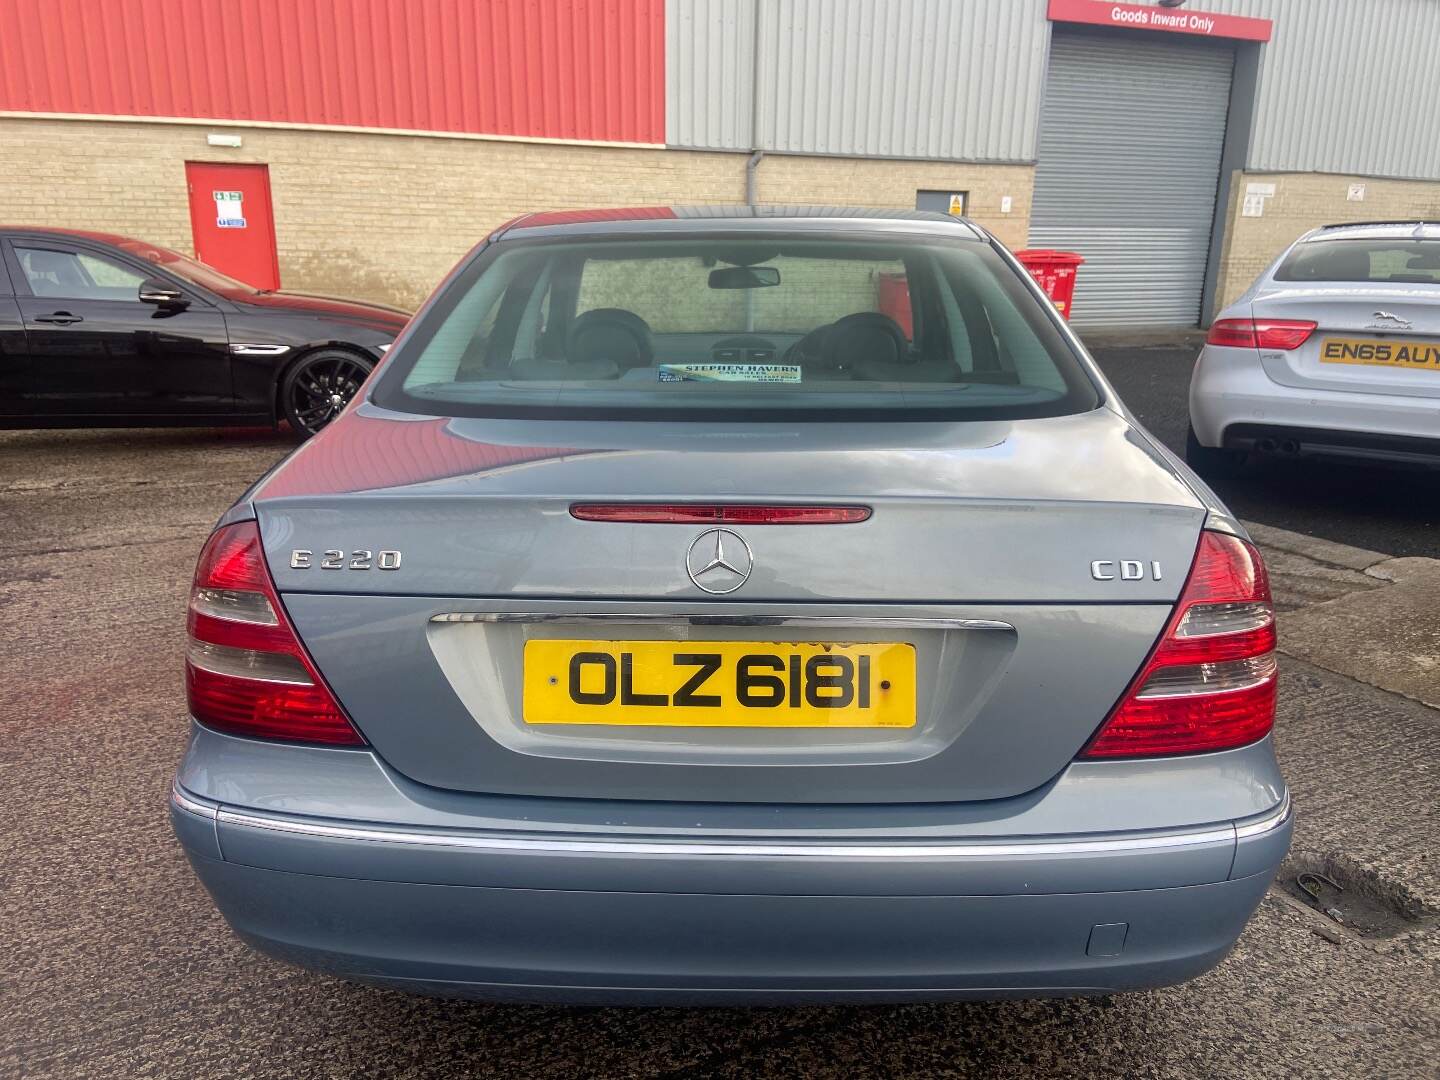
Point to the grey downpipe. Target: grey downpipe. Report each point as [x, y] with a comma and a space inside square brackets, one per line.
[756, 154]
[752, 193]
[751, 185]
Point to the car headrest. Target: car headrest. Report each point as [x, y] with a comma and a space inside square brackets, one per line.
[610, 334]
[866, 336]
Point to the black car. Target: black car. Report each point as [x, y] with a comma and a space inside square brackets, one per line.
[104, 331]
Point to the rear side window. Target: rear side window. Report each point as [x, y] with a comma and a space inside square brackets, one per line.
[759, 328]
[1413, 261]
[77, 275]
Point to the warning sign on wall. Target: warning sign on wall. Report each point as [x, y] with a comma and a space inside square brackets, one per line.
[942, 202]
[229, 210]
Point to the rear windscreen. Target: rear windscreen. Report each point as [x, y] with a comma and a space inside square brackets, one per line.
[755, 328]
[1413, 261]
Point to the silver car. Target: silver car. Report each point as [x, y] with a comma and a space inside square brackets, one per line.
[1334, 352]
[734, 605]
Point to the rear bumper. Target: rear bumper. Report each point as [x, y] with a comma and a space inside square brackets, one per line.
[589, 919]
[1310, 442]
[1234, 404]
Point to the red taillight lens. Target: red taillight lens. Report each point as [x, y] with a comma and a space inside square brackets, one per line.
[246, 672]
[1281, 334]
[710, 514]
[1236, 333]
[1210, 683]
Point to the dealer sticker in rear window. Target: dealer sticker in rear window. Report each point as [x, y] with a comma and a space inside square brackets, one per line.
[712, 372]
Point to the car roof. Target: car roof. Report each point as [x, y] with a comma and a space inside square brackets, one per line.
[737, 217]
[80, 234]
[1377, 230]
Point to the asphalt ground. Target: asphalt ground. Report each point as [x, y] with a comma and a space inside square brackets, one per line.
[1389, 510]
[115, 963]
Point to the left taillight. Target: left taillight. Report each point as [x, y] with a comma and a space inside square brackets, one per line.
[1283, 335]
[246, 672]
[1210, 682]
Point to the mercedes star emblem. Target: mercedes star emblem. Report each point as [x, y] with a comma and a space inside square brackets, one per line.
[719, 561]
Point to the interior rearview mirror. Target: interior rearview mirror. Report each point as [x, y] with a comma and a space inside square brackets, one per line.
[744, 277]
[162, 294]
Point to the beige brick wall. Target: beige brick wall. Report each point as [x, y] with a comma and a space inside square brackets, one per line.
[1301, 202]
[383, 217]
[796, 178]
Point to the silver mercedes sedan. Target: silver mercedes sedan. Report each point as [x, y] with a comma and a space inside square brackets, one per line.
[1333, 352]
[715, 605]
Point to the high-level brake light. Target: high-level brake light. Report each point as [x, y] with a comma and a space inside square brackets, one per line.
[718, 514]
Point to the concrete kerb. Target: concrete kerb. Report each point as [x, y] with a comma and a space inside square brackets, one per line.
[1145, 338]
[1385, 635]
[1313, 547]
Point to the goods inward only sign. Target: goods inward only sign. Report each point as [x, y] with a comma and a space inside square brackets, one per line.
[229, 209]
[1149, 17]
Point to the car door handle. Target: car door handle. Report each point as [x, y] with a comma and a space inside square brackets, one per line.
[60, 318]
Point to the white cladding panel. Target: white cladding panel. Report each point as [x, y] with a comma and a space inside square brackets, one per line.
[1342, 84]
[1346, 86]
[709, 55]
[939, 79]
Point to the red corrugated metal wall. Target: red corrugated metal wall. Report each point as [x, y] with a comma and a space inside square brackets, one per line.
[563, 69]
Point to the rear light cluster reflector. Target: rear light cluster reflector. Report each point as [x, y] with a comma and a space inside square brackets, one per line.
[246, 672]
[1210, 682]
[721, 514]
[1281, 334]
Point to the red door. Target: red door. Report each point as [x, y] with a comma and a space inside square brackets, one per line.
[231, 221]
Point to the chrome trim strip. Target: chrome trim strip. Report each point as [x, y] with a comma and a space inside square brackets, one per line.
[699, 619]
[1276, 819]
[240, 348]
[180, 798]
[577, 846]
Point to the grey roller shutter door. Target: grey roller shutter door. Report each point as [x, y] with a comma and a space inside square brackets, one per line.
[1130, 138]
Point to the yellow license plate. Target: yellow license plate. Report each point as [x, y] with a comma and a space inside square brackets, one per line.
[1410, 354]
[763, 684]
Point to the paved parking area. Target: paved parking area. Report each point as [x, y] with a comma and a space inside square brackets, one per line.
[1389, 510]
[116, 965]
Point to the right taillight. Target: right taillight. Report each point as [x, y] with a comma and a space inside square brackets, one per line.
[1210, 683]
[246, 672]
[1280, 334]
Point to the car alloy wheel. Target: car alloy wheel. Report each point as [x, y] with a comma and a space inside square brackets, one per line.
[319, 386]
